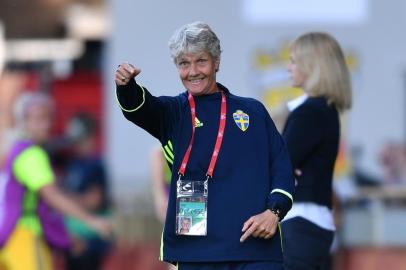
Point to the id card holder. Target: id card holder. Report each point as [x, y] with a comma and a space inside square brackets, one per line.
[191, 207]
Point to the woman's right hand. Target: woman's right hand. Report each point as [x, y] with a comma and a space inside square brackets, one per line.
[125, 72]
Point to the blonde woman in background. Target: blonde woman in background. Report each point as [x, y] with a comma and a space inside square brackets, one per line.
[312, 134]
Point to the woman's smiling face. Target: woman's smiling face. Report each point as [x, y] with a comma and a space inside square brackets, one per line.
[197, 72]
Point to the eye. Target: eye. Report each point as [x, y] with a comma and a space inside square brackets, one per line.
[183, 63]
[202, 60]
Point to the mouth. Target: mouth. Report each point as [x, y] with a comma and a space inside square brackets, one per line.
[196, 81]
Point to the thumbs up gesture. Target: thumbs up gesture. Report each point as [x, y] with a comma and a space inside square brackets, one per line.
[125, 72]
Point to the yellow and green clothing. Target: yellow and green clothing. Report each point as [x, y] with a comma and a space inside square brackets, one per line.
[32, 169]
[25, 247]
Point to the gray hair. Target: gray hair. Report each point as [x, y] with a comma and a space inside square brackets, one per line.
[26, 101]
[194, 37]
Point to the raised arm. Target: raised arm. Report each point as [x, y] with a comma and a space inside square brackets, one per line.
[151, 113]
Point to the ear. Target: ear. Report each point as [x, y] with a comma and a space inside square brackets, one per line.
[217, 65]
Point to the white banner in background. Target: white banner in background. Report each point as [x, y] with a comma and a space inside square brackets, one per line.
[305, 11]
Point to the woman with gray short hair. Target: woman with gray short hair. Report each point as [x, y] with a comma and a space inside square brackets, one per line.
[213, 141]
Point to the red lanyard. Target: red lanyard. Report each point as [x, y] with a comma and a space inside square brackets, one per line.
[219, 139]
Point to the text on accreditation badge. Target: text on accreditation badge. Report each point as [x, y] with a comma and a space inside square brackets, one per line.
[191, 207]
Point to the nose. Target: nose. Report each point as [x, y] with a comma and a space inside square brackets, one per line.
[193, 71]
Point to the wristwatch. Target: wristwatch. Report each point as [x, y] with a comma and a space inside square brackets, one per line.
[276, 209]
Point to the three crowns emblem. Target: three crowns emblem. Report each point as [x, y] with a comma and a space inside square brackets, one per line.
[241, 119]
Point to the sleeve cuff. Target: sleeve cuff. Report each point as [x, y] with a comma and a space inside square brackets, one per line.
[287, 194]
[130, 97]
[282, 200]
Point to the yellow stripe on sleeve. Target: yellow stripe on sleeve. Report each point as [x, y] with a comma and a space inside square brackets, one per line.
[167, 157]
[133, 110]
[283, 192]
[169, 152]
[170, 145]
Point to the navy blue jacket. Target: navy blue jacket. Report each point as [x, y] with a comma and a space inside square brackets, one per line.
[312, 134]
[253, 170]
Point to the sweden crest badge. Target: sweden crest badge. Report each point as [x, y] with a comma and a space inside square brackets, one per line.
[241, 119]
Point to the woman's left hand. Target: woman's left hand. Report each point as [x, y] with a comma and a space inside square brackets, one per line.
[262, 225]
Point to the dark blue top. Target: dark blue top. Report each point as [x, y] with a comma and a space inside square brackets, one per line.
[253, 171]
[312, 135]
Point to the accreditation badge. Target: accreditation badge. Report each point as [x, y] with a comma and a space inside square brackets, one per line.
[191, 207]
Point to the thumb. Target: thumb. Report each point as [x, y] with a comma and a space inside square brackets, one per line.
[134, 71]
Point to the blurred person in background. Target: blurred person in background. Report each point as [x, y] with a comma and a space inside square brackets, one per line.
[392, 158]
[160, 160]
[85, 180]
[161, 179]
[29, 228]
[251, 162]
[312, 135]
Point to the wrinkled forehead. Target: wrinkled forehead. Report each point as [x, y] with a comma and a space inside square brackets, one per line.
[193, 54]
